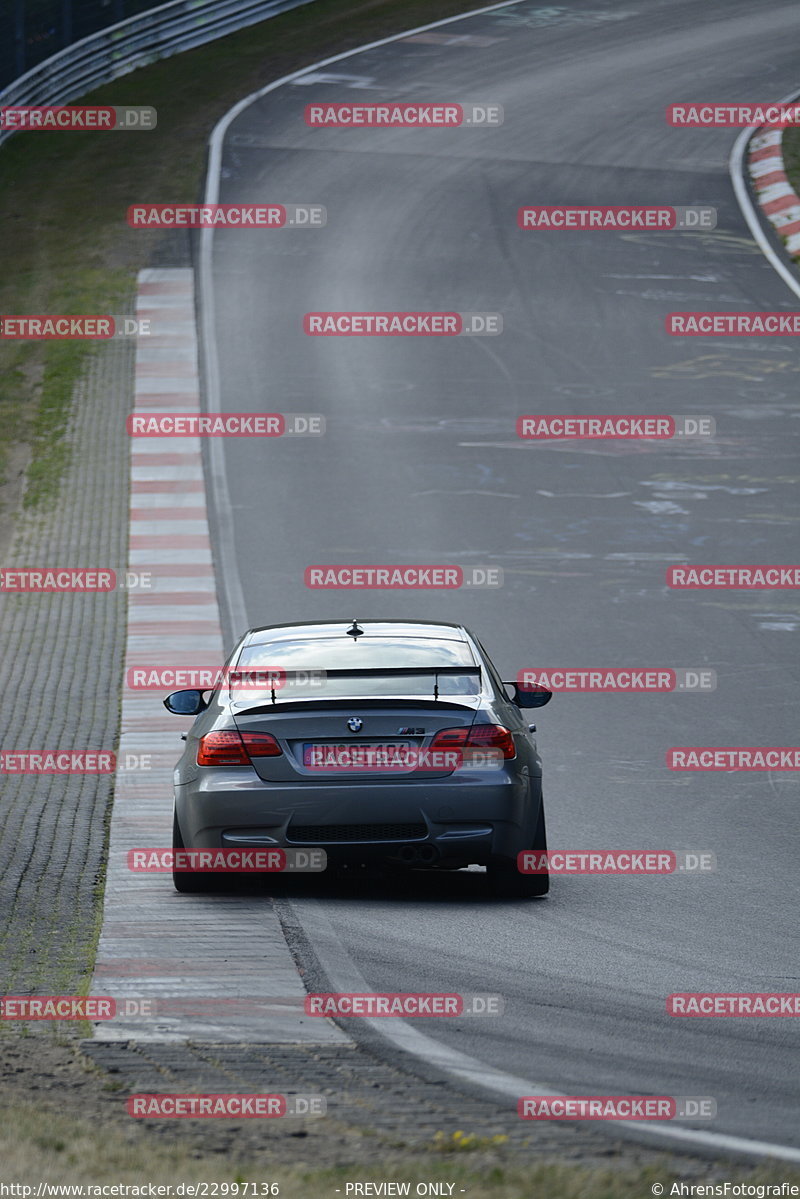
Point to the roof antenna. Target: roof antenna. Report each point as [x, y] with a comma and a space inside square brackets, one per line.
[355, 630]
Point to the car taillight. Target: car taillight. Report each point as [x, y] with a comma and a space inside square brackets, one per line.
[223, 748]
[261, 745]
[492, 736]
[227, 747]
[450, 738]
[479, 736]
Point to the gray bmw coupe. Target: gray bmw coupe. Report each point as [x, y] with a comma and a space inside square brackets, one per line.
[392, 742]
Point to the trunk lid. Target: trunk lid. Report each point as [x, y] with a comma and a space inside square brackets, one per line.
[357, 740]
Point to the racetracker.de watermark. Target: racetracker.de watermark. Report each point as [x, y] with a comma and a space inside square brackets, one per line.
[736, 1003]
[225, 424]
[403, 324]
[553, 427]
[615, 217]
[205, 678]
[57, 1007]
[227, 1106]
[733, 324]
[616, 1107]
[401, 115]
[736, 757]
[435, 578]
[619, 679]
[57, 761]
[48, 579]
[400, 1003]
[227, 216]
[72, 327]
[710, 577]
[78, 117]
[390, 758]
[616, 861]
[227, 861]
[701, 115]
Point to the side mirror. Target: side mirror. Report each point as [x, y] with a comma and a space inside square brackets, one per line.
[185, 703]
[530, 697]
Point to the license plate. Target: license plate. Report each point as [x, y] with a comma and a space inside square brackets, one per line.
[377, 755]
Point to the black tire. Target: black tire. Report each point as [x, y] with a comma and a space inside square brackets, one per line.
[506, 880]
[191, 882]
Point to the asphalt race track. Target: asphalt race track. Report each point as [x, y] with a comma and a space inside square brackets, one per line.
[421, 464]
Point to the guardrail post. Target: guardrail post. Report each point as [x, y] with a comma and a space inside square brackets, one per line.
[19, 35]
[66, 22]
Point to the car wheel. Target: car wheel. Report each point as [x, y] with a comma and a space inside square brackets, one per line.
[191, 882]
[505, 878]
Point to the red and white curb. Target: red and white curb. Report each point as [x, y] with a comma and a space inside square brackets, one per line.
[156, 944]
[776, 197]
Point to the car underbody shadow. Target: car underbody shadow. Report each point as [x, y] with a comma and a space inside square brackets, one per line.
[371, 882]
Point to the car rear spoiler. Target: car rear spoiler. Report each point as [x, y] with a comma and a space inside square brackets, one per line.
[375, 672]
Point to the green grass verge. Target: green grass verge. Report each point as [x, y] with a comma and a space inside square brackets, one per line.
[64, 196]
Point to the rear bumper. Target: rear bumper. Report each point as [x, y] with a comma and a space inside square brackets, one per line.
[469, 817]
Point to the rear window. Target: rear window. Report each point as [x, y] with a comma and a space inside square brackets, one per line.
[361, 653]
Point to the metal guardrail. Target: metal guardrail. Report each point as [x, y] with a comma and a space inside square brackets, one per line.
[135, 42]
